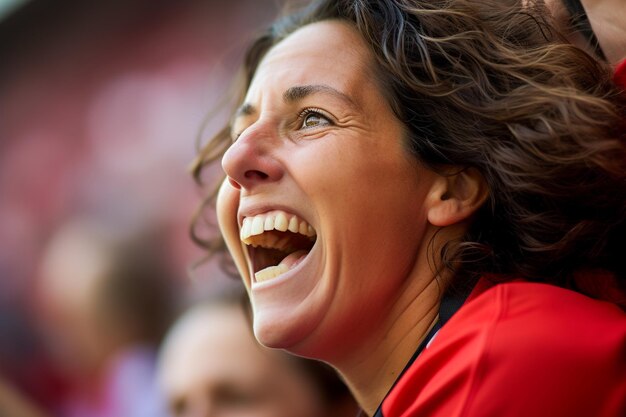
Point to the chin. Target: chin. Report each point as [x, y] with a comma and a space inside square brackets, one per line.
[280, 332]
[297, 327]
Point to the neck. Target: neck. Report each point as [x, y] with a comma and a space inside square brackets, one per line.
[371, 371]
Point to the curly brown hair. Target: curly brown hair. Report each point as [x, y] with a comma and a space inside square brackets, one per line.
[489, 84]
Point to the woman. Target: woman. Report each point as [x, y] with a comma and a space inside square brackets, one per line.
[211, 366]
[390, 158]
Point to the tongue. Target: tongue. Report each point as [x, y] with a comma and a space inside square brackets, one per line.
[293, 259]
[285, 265]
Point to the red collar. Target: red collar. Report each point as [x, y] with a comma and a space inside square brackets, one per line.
[620, 74]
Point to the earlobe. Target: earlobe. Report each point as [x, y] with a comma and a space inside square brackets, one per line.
[456, 197]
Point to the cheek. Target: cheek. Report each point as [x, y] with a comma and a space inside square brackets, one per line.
[356, 176]
[226, 207]
[372, 201]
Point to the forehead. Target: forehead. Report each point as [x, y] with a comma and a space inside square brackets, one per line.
[328, 53]
[210, 345]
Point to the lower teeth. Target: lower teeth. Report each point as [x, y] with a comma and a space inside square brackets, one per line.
[270, 272]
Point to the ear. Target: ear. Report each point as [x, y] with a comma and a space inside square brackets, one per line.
[455, 197]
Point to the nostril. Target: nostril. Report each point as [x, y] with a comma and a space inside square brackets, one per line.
[254, 174]
[234, 184]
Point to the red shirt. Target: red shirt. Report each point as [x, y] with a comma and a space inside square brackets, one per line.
[520, 349]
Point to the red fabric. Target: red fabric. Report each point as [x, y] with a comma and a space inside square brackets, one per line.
[620, 74]
[520, 349]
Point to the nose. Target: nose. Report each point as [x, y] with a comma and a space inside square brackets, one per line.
[250, 161]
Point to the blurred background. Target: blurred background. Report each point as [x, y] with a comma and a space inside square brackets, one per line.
[100, 106]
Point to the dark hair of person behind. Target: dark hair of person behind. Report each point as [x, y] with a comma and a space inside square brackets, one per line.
[138, 292]
[488, 85]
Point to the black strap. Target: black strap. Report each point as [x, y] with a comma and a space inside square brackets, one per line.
[449, 305]
[421, 347]
[580, 22]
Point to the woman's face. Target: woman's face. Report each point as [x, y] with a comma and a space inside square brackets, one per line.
[211, 366]
[320, 182]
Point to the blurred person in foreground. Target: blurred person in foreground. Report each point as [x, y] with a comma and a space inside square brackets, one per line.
[105, 302]
[211, 366]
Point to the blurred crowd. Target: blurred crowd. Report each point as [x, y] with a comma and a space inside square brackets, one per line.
[101, 104]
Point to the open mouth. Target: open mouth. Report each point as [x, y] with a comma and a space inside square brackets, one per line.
[277, 242]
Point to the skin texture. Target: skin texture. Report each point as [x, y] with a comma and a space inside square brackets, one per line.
[608, 21]
[366, 294]
[212, 366]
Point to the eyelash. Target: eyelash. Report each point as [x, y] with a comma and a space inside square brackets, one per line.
[315, 111]
[301, 117]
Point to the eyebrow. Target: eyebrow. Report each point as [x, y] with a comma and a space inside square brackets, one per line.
[299, 92]
[246, 109]
[296, 93]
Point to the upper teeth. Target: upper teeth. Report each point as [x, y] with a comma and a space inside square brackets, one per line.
[275, 220]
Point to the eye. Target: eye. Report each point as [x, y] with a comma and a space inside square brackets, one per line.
[235, 132]
[313, 118]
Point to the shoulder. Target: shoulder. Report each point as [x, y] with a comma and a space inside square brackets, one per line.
[520, 349]
[536, 314]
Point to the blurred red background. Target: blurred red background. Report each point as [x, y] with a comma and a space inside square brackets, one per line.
[100, 106]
